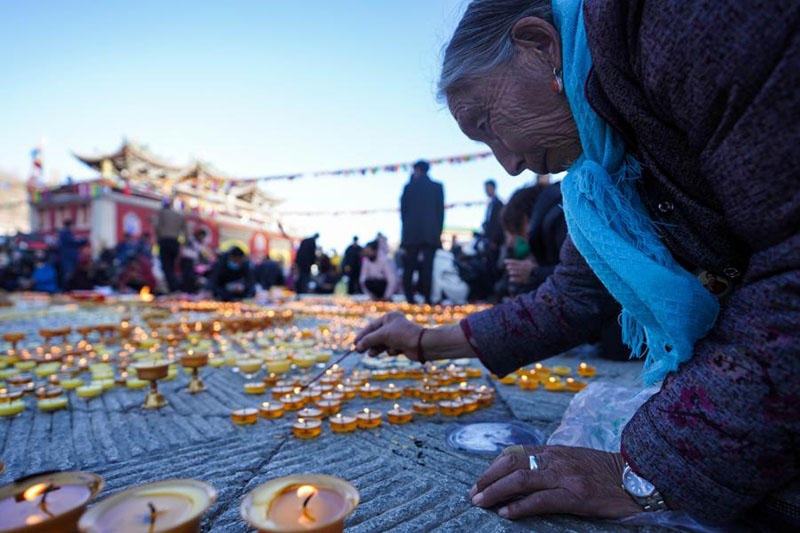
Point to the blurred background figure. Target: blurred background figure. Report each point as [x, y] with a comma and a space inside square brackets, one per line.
[422, 215]
[377, 277]
[305, 258]
[169, 226]
[269, 273]
[126, 249]
[351, 266]
[44, 277]
[68, 249]
[327, 276]
[193, 254]
[492, 227]
[232, 277]
[446, 283]
[535, 228]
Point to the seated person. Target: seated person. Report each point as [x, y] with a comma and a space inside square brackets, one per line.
[136, 274]
[269, 273]
[44, 277]
[535, 230]
[328, 277]
[377, 278]
[232, 277]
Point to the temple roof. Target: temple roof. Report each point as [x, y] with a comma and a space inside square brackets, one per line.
[135, 163]
[132, 160]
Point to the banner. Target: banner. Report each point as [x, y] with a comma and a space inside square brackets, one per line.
[336, 212]
[364, 171]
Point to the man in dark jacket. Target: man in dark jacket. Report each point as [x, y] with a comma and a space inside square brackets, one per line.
[492, 227]
[422, 213]
[269, 273]
[68, 251]
[306, 256]
[351, 265]
[232, 276]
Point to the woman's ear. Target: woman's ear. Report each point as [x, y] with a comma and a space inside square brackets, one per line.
[536, 35]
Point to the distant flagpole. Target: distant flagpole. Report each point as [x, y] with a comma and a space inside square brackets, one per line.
[35, 178]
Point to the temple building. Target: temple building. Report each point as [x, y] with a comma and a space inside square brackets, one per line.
[14, 209]
[130, 187]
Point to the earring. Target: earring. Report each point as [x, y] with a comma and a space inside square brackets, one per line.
[558, 83]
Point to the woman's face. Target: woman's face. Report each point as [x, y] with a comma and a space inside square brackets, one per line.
[517, 111]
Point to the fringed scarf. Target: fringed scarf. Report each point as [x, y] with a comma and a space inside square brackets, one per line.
[665, 309]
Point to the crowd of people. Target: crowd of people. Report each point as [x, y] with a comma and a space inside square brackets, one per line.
[184, 263]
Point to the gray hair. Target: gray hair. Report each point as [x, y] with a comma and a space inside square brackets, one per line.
[482, 40]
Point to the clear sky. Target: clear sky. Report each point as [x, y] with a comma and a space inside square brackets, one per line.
[253, 87]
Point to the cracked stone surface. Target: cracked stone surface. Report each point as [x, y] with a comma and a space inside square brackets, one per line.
[408, 477]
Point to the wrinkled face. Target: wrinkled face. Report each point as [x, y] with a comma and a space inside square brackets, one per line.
[518, 113]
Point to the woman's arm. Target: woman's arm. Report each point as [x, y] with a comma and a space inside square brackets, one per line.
[568, 309]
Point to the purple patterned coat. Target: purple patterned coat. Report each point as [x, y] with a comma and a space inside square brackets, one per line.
[707, 94]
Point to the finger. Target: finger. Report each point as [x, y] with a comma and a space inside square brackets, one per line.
[502, 466]
[516, 484]
[372, 326]
[551, 501]
[375, 351]
[371, 340]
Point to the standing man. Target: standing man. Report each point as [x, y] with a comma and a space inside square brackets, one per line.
[422, 213]
[68, 249]
[306, 256]
[169, 226]
[351, 266]
[492, 225]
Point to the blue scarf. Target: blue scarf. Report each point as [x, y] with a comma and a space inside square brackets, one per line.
[665, 309]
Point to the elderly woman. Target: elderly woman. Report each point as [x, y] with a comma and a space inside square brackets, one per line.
[679, 123]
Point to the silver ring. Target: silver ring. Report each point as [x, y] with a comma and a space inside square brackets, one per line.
[533, 462]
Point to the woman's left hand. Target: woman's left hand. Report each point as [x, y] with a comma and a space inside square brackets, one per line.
[577, 481]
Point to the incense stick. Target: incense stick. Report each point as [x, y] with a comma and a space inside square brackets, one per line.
[315, 378]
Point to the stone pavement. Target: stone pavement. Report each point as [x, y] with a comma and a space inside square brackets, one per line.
[408, 477]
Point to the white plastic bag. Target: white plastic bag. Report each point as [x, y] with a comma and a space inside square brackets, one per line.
[596, 416]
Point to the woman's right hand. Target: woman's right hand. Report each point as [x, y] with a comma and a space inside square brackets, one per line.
[391, 333]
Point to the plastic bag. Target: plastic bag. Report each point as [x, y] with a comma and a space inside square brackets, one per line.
[596, 416]
[595, 419]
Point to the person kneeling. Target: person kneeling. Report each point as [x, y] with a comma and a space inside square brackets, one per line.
[377, 277]
[232, 277]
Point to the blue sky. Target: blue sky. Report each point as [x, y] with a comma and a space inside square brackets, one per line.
[253, 87]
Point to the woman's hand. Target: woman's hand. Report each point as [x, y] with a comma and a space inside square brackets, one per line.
[391, 333]
[519, 270]
[569, 480]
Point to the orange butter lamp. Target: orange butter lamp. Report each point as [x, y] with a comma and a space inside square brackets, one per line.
[305, 503]
[174, 506]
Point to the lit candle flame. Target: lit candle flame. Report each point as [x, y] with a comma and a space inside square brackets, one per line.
[366, 410]
[34, 490]
[397, 406]
[304, 491]
[297, 390]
